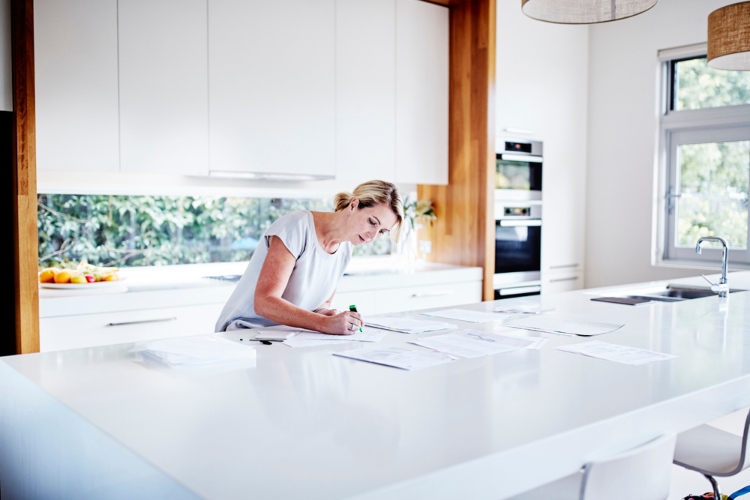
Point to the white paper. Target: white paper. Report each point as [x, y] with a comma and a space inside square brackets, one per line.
[275, 334]
[521, 310]
[366, 335]
[473, 343]
[407, 325]
[464, 315]
[618, 353]
[198, 349]
[561, 325]
[297, 341]
[397, 357]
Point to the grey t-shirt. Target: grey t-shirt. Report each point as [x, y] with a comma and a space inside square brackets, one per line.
[313, 280]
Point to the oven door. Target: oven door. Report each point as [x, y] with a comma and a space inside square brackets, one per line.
[518, 245]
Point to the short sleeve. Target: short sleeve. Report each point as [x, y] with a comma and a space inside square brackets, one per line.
[292, 229]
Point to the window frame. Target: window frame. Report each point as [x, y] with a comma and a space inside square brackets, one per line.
[689, 127]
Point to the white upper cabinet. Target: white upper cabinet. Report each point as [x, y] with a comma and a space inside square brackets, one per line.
[365, 90]
[163, 86]
[76, 85]
[422, 58]
[271, 67]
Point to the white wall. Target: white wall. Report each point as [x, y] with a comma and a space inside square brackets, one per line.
[622, 137]
[541, 86]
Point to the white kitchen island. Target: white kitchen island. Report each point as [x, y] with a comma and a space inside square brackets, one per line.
[101, 422]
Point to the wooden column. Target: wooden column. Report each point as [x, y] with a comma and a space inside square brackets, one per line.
[23, 167]
[464, 231]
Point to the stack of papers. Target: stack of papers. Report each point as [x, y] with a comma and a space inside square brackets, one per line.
[196, 350]
[311, 339]
[464, 315]
[618, 353]
[561, 326]
[474, 344]
[397, 357]
[407, 325]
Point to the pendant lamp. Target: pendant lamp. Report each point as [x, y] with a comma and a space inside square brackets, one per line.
[729, 37]
[584, 11]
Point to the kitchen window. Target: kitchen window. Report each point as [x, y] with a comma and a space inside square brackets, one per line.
[705, 152]
[130, 231]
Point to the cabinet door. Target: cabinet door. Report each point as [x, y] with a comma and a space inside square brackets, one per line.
[271, 86]
[421, 92]
[75, 58]
[88, 330]
[365, 90]
[562, 281]
[163, 86]
[426, 297]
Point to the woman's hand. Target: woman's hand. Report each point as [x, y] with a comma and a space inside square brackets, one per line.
[343, 323]
[327, 312]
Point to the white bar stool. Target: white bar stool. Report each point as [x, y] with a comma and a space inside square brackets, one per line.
[642, 472]
[713, 452]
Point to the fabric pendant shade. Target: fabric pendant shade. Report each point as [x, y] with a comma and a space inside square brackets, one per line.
[584, 11]
[729, 37]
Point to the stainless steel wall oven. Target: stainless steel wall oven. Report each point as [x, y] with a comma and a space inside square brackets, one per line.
[518, 218]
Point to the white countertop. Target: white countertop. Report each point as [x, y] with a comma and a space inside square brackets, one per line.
[301, 423]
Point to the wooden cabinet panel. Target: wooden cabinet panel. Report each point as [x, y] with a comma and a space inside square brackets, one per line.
[163, 62]
[87, 330]
[365, 90]
[422, 60]
[76, 85]
[271, 86]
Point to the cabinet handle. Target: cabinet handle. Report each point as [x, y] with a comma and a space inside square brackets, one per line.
[572, 278]
[142, 321]
[563, 266]
[430, 294]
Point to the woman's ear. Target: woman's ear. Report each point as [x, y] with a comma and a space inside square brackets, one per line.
[353, 204]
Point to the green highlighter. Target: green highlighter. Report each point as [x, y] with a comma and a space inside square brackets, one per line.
[353, 308]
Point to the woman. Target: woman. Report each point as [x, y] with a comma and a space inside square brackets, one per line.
[293, 273]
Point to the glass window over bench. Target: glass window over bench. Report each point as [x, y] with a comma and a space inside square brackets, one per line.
[129, 231]
[705, 130]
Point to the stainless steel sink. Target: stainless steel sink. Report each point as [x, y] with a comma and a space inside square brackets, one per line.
[660, 294]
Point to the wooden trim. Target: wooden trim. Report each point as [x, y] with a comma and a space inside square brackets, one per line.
[444, 3]
[464, 231]
[25, 236]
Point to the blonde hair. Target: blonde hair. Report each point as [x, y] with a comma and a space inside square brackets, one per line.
[372, 193]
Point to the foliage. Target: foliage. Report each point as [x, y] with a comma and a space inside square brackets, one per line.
[713, 177]
[125, 231]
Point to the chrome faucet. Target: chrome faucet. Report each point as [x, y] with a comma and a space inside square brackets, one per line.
[722, 288]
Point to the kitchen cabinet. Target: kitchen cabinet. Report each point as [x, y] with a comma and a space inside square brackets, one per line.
[271, 69]
[422, 63]
[163, 52]
[117, 327]
[563, 279]
[76, 79]
[365, 90]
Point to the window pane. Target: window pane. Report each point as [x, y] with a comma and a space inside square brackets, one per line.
[713, 179]
[163, 230]
[697, 86]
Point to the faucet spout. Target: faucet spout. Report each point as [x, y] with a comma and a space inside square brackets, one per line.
[724, 260]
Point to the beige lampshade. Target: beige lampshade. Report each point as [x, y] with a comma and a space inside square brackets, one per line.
[729, 37]
[584, 11]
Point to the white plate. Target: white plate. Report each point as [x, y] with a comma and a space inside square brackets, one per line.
[82, 286]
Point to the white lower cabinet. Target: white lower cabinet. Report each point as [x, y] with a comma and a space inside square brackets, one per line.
[562, 280]
[88, 330]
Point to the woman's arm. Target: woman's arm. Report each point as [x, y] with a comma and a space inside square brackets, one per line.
[273, 280]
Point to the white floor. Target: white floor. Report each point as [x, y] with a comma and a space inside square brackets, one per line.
[686, 482]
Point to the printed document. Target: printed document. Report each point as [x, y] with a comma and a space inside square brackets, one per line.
[366, 335]
[473, 343]
[407, 325]
[397, 357]
[464, 315]
[195, 350]
[561, 325]
[618, 353]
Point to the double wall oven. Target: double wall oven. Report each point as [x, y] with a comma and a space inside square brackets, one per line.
[518, 218]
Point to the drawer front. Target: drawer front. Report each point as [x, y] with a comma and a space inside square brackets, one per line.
[426, 297]
[88, 330]
[562, 282]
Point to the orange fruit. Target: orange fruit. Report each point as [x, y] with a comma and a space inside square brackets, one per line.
[63, 277]
[111, 277]
[78, 278]
[48, 275]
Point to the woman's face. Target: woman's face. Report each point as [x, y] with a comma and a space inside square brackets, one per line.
[368, 223]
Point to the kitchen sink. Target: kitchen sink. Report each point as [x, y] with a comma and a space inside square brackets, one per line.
[660, 294]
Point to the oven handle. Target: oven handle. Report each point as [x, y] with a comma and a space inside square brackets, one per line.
[520, 222]
[517, 157]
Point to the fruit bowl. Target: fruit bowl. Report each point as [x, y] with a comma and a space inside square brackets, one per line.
[83, 286]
